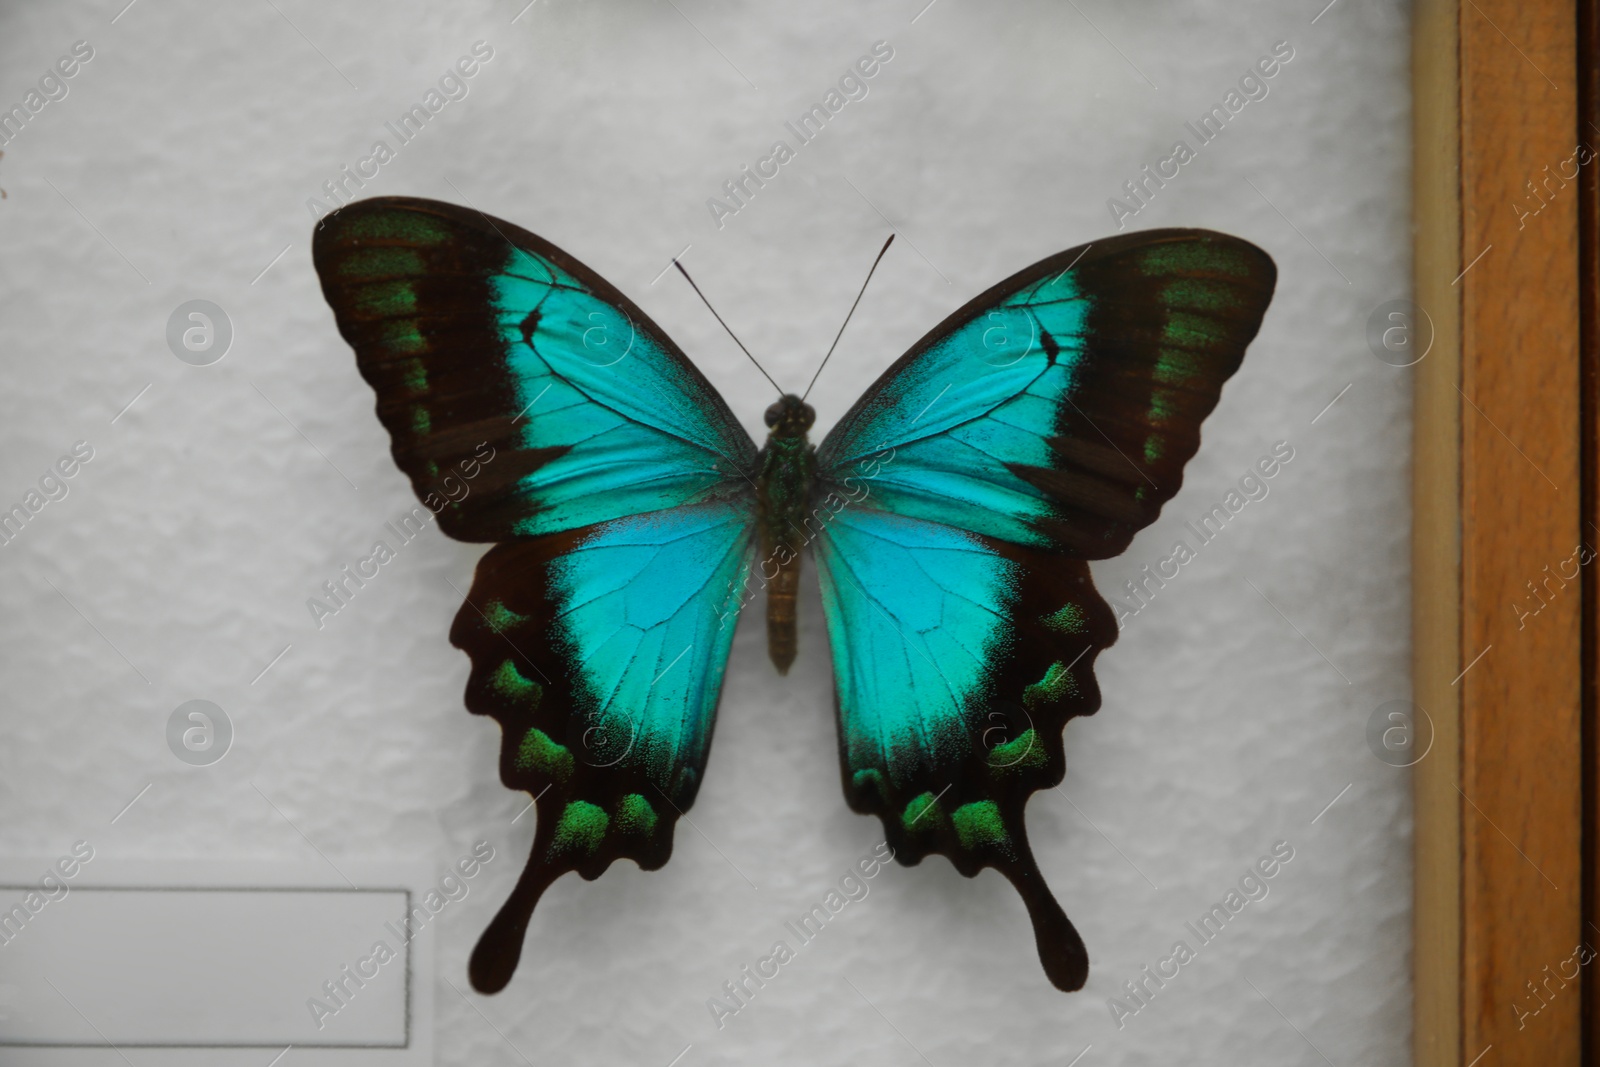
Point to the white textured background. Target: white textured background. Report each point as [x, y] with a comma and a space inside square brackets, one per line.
[181, 161]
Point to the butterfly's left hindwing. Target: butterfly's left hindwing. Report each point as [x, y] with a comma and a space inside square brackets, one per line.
[1039, 427]
[601, 652]
[532, 404]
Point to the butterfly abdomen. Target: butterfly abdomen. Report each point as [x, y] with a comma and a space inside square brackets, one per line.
[788, 468]
[782, 644]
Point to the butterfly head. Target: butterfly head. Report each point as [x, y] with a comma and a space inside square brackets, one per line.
[790, 417]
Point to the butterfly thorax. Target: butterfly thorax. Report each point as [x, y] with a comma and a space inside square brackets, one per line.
[788, 469]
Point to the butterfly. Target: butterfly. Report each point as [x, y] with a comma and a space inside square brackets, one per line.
[951, 515]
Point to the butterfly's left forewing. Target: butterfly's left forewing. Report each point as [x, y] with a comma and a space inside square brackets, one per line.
[1039, 427]
[532, 404]
[478, 336]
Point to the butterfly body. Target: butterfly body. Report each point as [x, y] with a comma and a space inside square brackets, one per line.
[784, 488]
[952, 514]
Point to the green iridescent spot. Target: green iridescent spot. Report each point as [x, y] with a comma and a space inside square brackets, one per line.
[387, 298]
[1176, 366]
[1202, 295]
[1057, 682]
[1069, 620]
[1024, 752]
[1194, 331]
[509, 682]
[500, 618]
[867, 784]
[922, 814]
[398, 226]
[421, 421]
[635, 816]
[1187, 257]
[381, 263]
[979, 824]
[538, 753]
[416, 382]
[1163, 405]
[402, 336]
[581, 829]
[1155, 446]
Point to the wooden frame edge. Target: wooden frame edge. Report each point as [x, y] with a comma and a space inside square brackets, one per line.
[1499, 501]
[1435, 538]
[1589, 338]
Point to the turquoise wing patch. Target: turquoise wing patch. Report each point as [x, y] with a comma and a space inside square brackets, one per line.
[1039, 427]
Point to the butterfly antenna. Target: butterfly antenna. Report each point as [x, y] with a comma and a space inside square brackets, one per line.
[846, 322]
[731, 334]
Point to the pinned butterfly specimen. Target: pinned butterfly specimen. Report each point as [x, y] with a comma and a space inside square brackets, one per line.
[951, 515]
